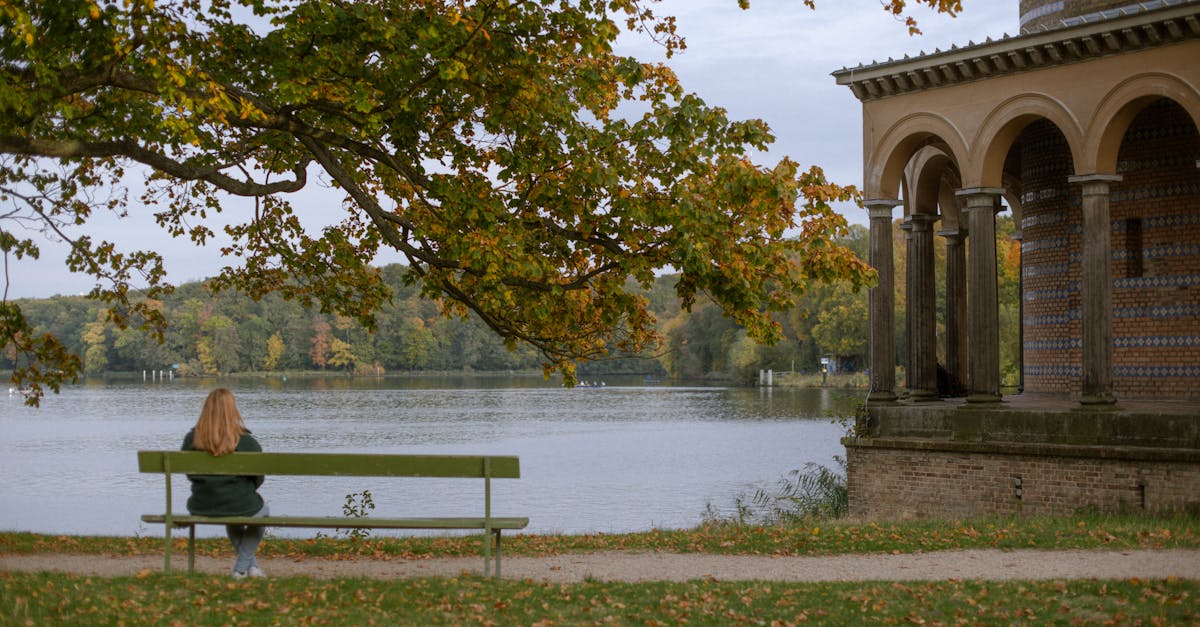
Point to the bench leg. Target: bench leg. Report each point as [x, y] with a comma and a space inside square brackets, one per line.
[167, 549]
[192, 549]
[487, 551]
[491, 546]
[497, 531]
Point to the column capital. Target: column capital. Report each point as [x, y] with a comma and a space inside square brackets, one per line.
[1094, 184]
[980, 198]
[979, 191]
[881, 207]
[1095, 178]
[923, 219]
[954, 234]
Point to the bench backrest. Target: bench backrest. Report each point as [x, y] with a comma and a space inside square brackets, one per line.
[330, 464]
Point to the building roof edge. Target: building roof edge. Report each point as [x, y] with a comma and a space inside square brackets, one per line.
[1014, 54]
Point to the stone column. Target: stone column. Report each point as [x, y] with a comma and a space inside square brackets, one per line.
[907, 227]
[983, 324]
[882, 341]
[922, 311]
[1095, 289]
[1019, 237]
[956, 303]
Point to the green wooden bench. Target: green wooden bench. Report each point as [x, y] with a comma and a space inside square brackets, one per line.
[339, 465]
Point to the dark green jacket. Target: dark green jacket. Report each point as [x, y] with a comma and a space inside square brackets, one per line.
[225, 495]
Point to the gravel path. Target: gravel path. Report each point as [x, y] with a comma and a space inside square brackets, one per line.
[619, 566]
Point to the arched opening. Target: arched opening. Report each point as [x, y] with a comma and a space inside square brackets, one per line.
[931, 327]
[889, 162]
[1155, 211]
[1029, 149]
[1038, 276]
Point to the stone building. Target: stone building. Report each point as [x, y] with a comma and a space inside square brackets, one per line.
[1084, 127]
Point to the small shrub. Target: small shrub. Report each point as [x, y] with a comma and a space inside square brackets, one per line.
[357, 505]
[814, 492]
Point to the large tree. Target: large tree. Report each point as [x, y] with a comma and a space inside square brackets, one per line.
[523, 169]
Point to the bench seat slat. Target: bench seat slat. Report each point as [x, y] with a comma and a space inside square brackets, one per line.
[343, 523]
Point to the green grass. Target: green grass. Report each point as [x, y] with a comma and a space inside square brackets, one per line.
[823, 538]
[42, 599]
[177, 598]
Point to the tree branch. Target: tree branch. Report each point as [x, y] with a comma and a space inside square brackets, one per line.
[388, 222]
[76, 149]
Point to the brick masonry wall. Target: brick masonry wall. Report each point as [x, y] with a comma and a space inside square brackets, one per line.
[899, 483]
[1155, 213]
[1156, 257]
[1050, 218]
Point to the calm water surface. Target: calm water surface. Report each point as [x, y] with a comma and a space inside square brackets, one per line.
[611, 459]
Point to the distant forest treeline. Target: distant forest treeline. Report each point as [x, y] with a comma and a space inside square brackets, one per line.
[229, 333]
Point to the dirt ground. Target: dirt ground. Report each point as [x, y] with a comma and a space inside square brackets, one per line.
[619, 566]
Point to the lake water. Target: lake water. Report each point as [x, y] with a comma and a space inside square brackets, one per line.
[623, 457]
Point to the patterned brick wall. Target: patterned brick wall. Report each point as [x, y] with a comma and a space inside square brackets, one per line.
[1050, 218]
[899, 483]
[1155, 267]
[1156, 257]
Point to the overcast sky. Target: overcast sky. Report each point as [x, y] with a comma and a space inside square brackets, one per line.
[772, 62]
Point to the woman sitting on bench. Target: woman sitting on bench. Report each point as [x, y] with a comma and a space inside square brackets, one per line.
[220, 431]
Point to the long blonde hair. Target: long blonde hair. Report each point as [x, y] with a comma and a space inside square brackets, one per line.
[220, 426]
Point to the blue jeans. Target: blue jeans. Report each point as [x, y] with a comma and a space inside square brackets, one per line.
[245, 539]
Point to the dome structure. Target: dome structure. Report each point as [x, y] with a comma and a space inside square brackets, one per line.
[1039, 15]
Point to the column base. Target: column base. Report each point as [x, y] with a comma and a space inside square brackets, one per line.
[923, 396]
[881, 397]
[1098, 400]
[983, 397]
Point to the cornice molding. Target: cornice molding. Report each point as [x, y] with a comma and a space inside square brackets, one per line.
[1024, 53]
